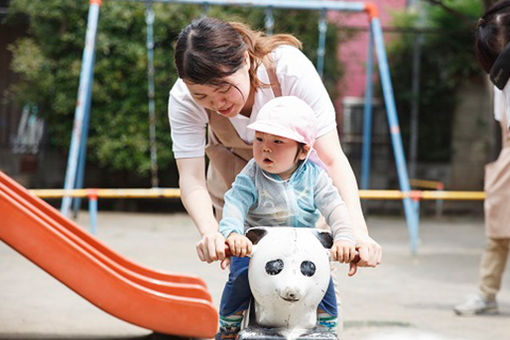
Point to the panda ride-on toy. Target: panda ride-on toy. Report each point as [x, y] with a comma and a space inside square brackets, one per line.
[289, 273]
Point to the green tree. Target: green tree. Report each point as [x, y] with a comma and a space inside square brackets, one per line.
[447, 60]
[48, 61]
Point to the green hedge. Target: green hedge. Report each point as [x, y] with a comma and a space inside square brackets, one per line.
[447, 60]
[48, 61]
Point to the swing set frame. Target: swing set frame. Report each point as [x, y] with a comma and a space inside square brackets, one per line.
[77, 150]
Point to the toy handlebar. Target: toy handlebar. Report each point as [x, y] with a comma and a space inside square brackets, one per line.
[229, 254]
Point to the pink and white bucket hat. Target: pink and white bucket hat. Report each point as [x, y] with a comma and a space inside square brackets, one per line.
[288, 117]
[292, 118]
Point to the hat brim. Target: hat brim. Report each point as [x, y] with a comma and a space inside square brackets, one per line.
[277, 130]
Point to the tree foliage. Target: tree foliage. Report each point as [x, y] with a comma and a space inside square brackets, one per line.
[447, 60]
[48, 61]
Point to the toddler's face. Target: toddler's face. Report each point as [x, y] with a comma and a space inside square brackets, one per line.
[276, 155]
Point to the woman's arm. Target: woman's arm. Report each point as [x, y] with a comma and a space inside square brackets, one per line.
[196, 200]
[331, 154]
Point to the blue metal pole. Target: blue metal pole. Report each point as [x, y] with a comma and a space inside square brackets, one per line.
[93, 214]
[205, 9]
[269, 20]
[367, 116]
[149, 19]
[398, 150]
[416, 205]
[83, 149]
[81, 161]
[321, 49]
[84, 97]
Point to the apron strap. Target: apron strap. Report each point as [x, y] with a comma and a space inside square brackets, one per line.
[271, 73]
[505, 133]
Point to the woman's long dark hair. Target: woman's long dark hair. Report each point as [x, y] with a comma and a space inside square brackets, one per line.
[492, 34]
[209, 49]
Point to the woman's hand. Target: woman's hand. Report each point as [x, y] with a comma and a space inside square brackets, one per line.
[196, 200]
[331, 154]
[211, 247]
[370, 251]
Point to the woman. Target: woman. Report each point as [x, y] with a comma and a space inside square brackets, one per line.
[492, 47]
[227, 72]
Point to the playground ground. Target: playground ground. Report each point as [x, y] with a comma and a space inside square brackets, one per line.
[406, 297]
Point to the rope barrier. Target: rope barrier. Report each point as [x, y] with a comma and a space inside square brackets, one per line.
[109, 193]
[426, 184]
[94, 195]
[175, 193]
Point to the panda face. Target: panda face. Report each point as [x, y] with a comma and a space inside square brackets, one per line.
[290, 265]
[289, 274]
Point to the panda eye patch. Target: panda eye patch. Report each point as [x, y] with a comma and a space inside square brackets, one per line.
[274, 267]
[307, 268]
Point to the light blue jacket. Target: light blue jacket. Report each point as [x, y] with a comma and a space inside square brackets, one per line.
[258, 198]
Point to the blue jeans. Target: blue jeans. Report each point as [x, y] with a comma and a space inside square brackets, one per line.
[237, 294]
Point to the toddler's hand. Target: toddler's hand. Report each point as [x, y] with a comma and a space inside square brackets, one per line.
[239, 245]
[343, 251]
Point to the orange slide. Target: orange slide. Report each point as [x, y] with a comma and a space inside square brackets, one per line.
[164, 302]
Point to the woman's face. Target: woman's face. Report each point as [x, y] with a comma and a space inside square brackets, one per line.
[228, 99]
[275, 154]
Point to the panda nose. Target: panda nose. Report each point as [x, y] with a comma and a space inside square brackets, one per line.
[291, 294]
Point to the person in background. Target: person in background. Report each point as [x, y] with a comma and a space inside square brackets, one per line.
[492, 46]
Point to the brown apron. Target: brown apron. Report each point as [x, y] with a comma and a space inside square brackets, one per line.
[497, 189]
[227, 152]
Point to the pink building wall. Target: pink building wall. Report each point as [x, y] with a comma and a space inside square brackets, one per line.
[353, 53]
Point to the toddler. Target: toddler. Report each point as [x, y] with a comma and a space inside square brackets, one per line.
[283, 185]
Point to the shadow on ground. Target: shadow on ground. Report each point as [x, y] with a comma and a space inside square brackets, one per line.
[153, 336]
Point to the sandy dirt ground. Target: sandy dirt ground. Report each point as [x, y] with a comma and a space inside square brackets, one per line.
[406, 297]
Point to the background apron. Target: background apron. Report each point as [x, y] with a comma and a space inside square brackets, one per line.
[497, 189]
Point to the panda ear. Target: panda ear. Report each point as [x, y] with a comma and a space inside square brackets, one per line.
[255, 234]
[324, 237]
